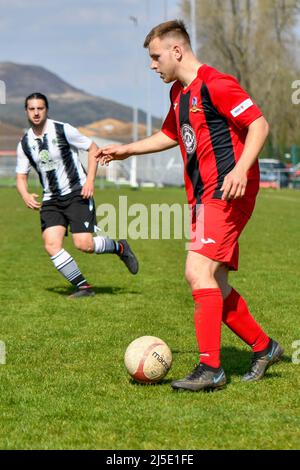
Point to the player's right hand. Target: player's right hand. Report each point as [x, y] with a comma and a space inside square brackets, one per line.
[109, 153]
[30, 201]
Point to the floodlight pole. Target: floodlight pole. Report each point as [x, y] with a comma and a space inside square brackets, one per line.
[148, 82]
[165, 10]
[165, 101]
[133, 169]
[193, 25]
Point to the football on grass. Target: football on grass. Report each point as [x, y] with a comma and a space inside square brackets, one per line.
[148, 359]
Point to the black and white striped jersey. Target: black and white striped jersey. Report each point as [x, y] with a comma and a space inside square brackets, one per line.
[55, 158]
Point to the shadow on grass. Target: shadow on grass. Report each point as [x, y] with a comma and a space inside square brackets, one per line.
[166, 381]
[65, 291]
[236, 362]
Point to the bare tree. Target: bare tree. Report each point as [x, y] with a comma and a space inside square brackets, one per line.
[255, 41]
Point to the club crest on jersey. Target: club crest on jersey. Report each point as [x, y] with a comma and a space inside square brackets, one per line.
[189, 138]
[47, 162]
[44, 156]
[194, 108]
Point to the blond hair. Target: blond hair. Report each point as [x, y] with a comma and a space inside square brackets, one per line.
[173, 28]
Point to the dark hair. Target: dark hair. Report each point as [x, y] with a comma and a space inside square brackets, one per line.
[172, 28]
[37, 96]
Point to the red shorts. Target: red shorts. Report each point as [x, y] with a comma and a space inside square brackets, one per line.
[217, 229]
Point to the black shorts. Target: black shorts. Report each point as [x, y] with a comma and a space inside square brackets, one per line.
[71, 210]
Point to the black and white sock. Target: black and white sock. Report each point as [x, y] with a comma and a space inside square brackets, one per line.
[105, 245]
[67, 266]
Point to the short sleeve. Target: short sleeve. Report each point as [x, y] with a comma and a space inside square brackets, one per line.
[23, 165]
[75, 138]
[233, 102]
[169, 126]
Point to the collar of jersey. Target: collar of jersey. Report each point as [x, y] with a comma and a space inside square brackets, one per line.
[198, 76]
[45, 131]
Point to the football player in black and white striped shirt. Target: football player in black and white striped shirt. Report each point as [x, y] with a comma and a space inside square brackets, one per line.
[51, 148]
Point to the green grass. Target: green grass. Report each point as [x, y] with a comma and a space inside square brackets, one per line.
[64, 385]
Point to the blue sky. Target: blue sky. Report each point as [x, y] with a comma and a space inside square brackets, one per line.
[92, 44]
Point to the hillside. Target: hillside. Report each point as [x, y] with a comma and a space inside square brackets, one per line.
[109, 128]
[9, 136]
[113, 129]
[67, 103]
[21, 80]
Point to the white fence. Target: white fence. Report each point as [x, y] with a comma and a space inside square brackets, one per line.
[160, 169]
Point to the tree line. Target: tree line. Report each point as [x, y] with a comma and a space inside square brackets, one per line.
[257, 41]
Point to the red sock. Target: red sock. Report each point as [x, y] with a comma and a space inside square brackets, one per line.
[238, 318]
[208, 322]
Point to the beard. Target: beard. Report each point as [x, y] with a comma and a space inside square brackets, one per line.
[39, 124]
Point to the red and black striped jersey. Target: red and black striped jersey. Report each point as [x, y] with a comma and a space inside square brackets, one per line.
[210, 120]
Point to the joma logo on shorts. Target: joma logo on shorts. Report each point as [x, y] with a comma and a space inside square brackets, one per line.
[161, 360]
[205, 241]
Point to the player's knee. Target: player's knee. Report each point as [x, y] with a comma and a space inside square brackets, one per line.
[191, 275]
[86, 246]
[199, 278]
[52, 247]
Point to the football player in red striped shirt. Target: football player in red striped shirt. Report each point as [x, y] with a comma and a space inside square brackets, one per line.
[220, 131]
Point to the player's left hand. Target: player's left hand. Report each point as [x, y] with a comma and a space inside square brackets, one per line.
[234, 185]
[87, 189]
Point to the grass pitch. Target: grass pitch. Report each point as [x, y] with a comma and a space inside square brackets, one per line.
[64, 385]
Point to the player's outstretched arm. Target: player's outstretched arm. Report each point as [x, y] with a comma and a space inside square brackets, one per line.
[28, 198]
[155, 143]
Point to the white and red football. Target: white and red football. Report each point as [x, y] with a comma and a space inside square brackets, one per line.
[148, 359]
